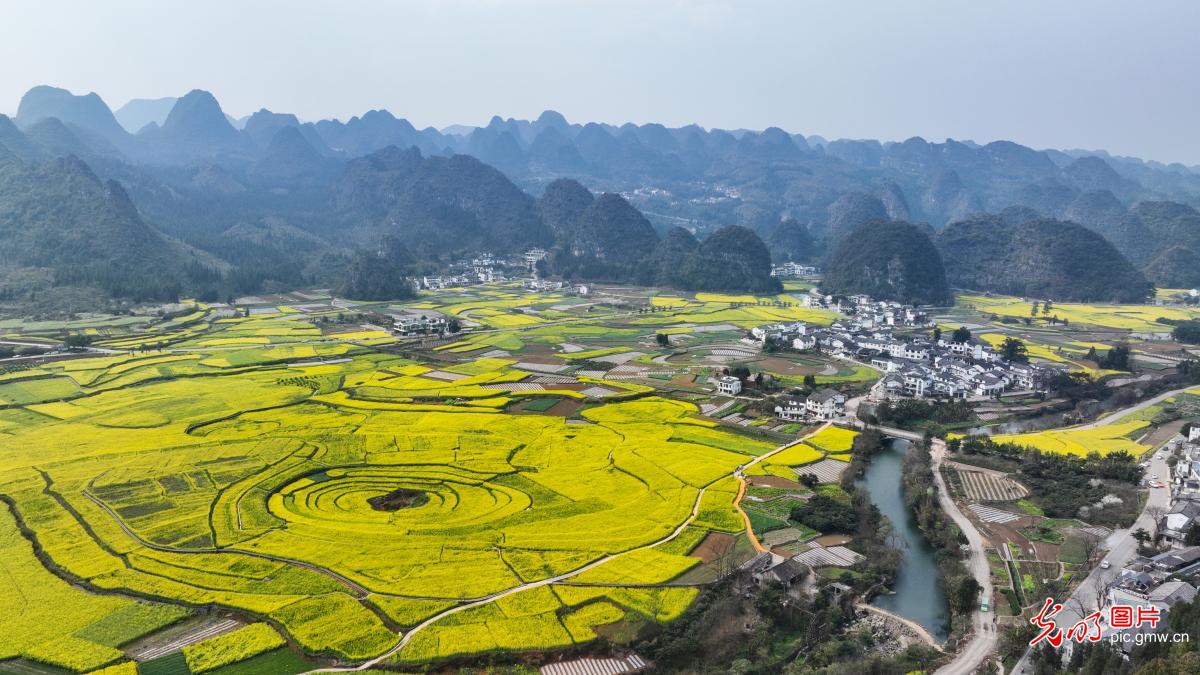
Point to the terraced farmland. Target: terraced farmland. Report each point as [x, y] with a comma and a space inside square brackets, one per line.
[347, 496]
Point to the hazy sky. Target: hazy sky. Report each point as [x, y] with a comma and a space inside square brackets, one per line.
[1048, 73]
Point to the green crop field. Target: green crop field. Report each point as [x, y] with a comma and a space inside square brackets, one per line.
[347, 498]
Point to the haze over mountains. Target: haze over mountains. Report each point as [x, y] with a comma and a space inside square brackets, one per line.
[273, 202]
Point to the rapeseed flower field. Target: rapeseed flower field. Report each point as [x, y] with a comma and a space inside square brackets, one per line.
[1104, 439]
[1137, 318]
[344, 495]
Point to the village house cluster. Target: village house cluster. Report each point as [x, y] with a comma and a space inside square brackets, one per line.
[911, 366]
[1171, 577]
[822, 404]
[791, 270]
[1184, 516]
[1159, 582]
[413, 323]
[485, 268]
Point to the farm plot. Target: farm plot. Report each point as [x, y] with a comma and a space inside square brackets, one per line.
[342, 503]
[1080, 441]
[821, 454]
[1126, 317]
[985, 486]
[44, 619]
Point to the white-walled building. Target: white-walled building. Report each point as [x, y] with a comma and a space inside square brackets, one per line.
[728, 385]
[826, 404]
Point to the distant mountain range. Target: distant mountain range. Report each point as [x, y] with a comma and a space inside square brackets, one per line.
[271, 201]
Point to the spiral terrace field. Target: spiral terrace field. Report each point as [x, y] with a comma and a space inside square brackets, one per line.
[240, 474]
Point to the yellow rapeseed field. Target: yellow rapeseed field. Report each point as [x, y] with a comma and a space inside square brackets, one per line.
[1104, 440]
[1138, 318]
[343, 495]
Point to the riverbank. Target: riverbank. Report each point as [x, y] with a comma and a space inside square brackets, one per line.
[918, 594]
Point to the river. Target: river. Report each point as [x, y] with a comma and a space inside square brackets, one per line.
[919, 595]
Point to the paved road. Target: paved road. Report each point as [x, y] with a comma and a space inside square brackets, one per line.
[1121, 548]
[1114, 416]
[982, 642]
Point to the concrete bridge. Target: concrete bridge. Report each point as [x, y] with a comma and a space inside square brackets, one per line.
[887, 431]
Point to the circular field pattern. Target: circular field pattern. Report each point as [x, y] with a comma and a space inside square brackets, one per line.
[339, 498]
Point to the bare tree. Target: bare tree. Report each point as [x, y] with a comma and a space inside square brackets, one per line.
[655, 603]
[1090, 542]
[1078, 602]
[1099, 593]
[1156, 513]
[723, 549]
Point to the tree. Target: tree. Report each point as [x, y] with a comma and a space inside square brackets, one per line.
[961, 334]
[662, 339]
[1046, 307]
[1092, 355]
[810, 381]
[1033, 310]
[1117, 358]
[77, 340]
[1090, 543]
[371, 276]
[453, 326]
[1141, 536]
[937, 333]
[1156, 514]
[1187, 331]
[964, 594]
[825, 514]
[1013, 350]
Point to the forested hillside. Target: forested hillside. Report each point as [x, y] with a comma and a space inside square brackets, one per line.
[1041, 258]
[890, 260]
[61, 224]
[271, 201]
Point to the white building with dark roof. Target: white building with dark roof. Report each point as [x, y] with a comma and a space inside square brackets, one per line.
[826, 404]
[1179, 521]
[728, 385]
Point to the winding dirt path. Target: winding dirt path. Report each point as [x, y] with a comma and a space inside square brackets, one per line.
[737, 503]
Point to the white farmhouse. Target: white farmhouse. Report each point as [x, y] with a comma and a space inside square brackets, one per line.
[826, 404]
[804, 342]
[1179, 521]
[791, 410]
[729, 385]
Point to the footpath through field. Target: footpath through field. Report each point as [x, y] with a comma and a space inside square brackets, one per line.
[740, 475]
[406, 637]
